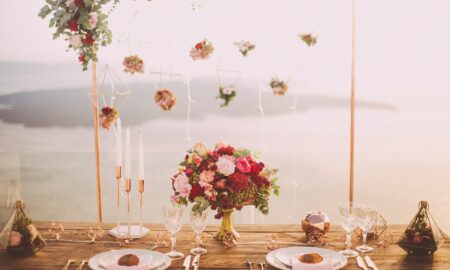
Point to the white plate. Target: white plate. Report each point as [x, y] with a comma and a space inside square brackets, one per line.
[159, 261]
[282, 257]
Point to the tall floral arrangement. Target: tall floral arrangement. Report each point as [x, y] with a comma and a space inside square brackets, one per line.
[223, 179]
[82, 23]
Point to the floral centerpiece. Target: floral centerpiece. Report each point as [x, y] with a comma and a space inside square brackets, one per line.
[227, 94]
[245, 47]
[224, 179]
[165, 99]
[202, 50]
[133, 64]
[108, 116]
[279, 87]
[82, 23]
[309, 39]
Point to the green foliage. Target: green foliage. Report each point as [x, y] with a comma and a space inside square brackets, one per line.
[227, 98]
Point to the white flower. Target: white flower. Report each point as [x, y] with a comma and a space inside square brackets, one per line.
[227, 90]
[225, 165]
[201, 149]
[75, 41]
[93, 20]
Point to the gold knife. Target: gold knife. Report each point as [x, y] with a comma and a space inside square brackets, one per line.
[360, 263]
[370, 263]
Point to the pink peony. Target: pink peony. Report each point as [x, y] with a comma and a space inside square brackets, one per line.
[15, 238]
[181, 185]
[225, 165]
[206, 177]
[243, 165]
[75, 41]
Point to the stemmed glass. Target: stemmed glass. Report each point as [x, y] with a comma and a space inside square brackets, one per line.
[349, 224]
[198, 224]
[366, 218]
[173, 220]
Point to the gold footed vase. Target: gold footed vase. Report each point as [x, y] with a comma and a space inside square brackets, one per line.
[227, 234]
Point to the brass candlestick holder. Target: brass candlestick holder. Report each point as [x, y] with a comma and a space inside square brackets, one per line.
[141, 191]
[128, 190]
[118, 177]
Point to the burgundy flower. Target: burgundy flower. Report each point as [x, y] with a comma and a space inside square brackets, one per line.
[73, 25]
[107, 110]
[89, 39]
[82, 58]
[260, 181]
[226, 150]
[220, 184]
[188, 171]
[238, 181]
[199, 45]
[196, 191]
[256, 167]
[79, 3]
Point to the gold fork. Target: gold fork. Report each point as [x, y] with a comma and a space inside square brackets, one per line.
[83, 262]
[69, 262]
[262, 262]
[249, 261]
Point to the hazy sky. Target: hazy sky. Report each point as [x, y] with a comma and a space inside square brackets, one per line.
[402, 45]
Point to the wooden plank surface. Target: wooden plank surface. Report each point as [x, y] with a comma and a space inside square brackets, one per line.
[55, 255]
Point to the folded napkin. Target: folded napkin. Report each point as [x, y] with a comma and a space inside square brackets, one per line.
[323, 265]
[144, 264]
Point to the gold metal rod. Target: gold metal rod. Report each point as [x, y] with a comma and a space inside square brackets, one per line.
[352, 108]
[96, 142]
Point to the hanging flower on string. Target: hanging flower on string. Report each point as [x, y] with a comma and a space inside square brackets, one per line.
[279, 87]
[133, 64]
[202, 50]
[108, 116]
[165, 99]
[245, 47]
[82, 23]
[309, 39]
[227, 94]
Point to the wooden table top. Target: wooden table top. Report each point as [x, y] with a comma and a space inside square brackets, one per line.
[55, 254]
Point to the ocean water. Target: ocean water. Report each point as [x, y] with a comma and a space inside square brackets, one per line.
[402, 149]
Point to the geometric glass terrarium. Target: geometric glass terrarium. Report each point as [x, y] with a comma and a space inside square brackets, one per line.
[19, 236]
[422, 236]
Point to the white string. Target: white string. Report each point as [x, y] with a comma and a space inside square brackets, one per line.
[293, 150]
[188, 115]
[261, 111]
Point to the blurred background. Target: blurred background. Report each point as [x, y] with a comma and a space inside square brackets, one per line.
[402, 91]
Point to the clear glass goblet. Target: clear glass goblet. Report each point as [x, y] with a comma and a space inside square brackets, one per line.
[198, 224]
[173, 216]
[366, 218]
[349, 224]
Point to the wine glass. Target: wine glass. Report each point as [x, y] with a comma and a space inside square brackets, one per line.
[198, 224]
[349, 224]
[173, 215]
[366, 218]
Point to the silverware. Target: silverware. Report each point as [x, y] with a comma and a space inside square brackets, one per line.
[360, 263]
[83, 262]
[155, 246]
[187, 262]
[262, 262]
[249, 261]
[196, 262]
[69, 262]
[370, 263]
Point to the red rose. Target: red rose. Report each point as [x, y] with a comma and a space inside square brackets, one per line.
[196, 191]
[107, 110]
[89, 39]
[73, 25]
[256, 167]
[79, 3]
[82, 58]
[243, 165]
[199, 46]
[188, 171]
[226, 150]
[238, 181]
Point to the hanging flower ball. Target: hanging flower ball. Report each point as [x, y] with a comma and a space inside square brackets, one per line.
[202, 50]
[279, 87]
[309, 39]
[108, 116]
[245, 47]
[165, 99]
[227, 94]
[133, 64]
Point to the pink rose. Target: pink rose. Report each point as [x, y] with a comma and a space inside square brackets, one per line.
[225, 165]
[196, 159]
[33, 232]
[15, 238]
[93, 20]
[243, 165]
[181, 185]
[221, 184]
[206, 177]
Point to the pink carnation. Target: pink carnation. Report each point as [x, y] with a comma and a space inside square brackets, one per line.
[206, 177]
[243, 165]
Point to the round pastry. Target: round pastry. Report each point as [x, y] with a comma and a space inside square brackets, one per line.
[128, 260]
[310, 258]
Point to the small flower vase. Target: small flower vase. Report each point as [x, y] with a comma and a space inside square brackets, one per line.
[226, 232]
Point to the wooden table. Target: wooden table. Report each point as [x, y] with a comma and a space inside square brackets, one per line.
[55, 255]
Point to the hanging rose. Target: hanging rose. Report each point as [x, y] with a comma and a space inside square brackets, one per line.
[202, 50]
[227, 94]
[279, 88]
[133, 64]
[165, 99]
[108, 116]
[245, 47]
[309, 39]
